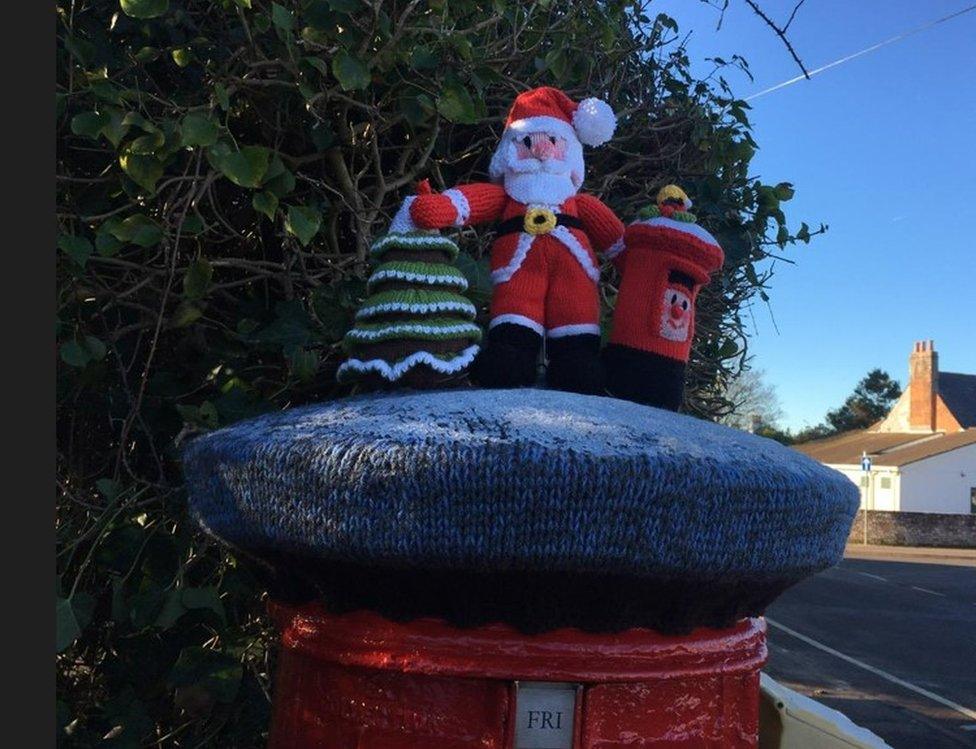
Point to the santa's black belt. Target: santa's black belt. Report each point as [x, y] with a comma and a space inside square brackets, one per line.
[537, 221]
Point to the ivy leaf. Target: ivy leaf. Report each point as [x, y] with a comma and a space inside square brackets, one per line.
[332, 315]
[73, 353]
[456, 104]
[89, 124]
[291, 327]
[186, 314]
[182, 56]
[197, 279]
[281, 17]
[222, 96]
[784, 191]
[782, 236]
[115, 128]
[245, 168]
[137, 229]
[147, 55]
[323, 136]
[303, 222]
[350, 72]
[78, 249]
[303, 364]
[146, 145]
[198, 130]
[423, 58]
[278, 180]
[266, 203]
[144, 170]
[318, 63]
[68, 629]
[144, 8]
[81, 351]
[216, 673]
[478, 274]
[204, 598]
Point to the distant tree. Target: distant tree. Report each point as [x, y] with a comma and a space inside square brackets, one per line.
[755, 404]
[784, 437]
[870, 401]
[812, 433]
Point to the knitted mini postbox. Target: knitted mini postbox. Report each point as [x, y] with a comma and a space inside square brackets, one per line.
[668, 259]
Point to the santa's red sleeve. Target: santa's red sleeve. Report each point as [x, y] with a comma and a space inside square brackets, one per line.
[602, 226]
[464, 205]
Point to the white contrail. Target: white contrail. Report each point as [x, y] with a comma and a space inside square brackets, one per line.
[873, 47]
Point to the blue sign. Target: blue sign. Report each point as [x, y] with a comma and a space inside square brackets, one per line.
[866, 463]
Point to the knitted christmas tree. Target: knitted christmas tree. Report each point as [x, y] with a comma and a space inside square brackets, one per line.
[415, 327]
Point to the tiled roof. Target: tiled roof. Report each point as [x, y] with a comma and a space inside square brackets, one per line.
[885, 449]
[958, 392]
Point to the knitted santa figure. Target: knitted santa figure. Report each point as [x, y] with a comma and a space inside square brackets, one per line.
[669, 258]
[543, 264]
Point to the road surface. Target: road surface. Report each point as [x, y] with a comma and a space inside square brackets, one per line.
[890, 642]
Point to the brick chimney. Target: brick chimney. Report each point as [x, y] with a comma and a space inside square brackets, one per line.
[923, 385]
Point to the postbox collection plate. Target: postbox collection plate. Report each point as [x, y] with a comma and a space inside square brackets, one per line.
[544, 714]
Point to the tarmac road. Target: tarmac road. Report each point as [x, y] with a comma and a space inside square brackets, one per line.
[890, 641]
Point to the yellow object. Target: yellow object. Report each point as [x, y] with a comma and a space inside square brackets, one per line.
[789, 720]
[673, 192]
[539, 221]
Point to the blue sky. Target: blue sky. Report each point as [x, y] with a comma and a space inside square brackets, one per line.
[883, 150]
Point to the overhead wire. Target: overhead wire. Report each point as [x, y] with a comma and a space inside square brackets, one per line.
[864, 51]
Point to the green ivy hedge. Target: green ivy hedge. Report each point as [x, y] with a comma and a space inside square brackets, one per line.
[223, 166]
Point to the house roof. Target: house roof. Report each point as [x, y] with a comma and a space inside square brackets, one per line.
[885, 448]
[958, 392]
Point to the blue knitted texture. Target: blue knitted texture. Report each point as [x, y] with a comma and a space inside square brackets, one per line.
[507, 480]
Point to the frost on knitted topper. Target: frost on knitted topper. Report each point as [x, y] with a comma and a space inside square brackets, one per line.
[416, 328]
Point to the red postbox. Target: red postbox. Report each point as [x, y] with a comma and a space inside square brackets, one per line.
[359, 681]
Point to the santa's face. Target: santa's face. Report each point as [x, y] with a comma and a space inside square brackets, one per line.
[538, 167]
[540, 152]
[676, 314]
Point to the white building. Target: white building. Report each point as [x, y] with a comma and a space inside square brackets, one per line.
[922, 456]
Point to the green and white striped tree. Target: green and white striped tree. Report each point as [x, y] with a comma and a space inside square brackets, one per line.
[415, 329]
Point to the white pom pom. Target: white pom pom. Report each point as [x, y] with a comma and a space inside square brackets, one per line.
[594, 122]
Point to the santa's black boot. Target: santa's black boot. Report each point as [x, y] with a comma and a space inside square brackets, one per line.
[509, 357]
[644, 376]
[574, 364]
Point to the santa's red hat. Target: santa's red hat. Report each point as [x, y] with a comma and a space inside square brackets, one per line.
[548, 109]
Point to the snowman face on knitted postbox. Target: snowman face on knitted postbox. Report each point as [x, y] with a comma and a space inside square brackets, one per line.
[677, 308]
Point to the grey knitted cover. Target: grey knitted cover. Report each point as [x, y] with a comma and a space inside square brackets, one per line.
[510, 482]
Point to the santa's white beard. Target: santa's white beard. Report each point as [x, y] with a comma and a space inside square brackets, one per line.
[537, 183]
[538, 188]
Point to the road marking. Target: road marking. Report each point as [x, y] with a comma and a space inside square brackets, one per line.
[873, 577]
[876, 671]
[926, 590]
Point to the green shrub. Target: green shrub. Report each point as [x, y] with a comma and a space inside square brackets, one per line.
[223, 166]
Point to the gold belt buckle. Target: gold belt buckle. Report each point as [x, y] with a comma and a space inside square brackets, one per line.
[539, 221]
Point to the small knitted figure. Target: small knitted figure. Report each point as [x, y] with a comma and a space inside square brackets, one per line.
[668, 259]
[415, 328]
[543, 264]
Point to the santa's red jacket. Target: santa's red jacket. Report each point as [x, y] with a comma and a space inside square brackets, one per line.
[543, 264]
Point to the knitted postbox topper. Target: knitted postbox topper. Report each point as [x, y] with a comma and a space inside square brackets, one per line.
[538, 508]
[668, 259]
